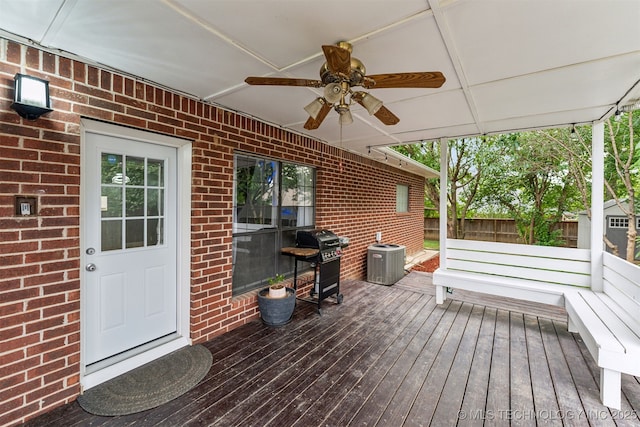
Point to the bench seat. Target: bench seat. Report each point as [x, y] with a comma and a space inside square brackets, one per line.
[609, 332]
[528, 290]
[607, 321]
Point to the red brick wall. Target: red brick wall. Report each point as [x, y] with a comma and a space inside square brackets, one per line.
[40, 256]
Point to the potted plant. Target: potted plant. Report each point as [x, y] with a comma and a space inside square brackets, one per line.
[277, 302]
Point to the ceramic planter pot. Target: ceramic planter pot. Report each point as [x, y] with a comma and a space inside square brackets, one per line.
[276, 311]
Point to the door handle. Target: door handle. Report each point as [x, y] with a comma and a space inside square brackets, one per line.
[90, 267]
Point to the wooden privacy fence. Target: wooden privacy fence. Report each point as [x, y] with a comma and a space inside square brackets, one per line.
[499, 230]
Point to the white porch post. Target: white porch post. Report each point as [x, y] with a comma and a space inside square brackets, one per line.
[444, 163]
[597, 205]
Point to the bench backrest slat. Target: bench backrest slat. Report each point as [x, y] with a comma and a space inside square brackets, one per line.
[622, 284]
[564, 266]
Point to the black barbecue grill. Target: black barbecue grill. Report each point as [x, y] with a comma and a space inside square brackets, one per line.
[327, 243]
[325, 260]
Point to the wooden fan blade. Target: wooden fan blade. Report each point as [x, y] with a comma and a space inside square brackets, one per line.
[338, 59]
[312, 123]
[383, 114]
[282, 81]
[432, 79]
[386, 116]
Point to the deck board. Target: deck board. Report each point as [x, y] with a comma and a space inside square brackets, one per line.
[541, 381]
[454, 375]
[475, 395]
[390, 356]
[521, 381]
[498, 393]
[406, 376]
[344, 374]
[425, 404]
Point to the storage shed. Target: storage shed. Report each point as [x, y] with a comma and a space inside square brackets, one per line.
[615, 227]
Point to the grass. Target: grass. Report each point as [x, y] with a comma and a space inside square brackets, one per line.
[432, 244]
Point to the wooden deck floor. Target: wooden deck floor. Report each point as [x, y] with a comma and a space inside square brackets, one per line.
[388, 356]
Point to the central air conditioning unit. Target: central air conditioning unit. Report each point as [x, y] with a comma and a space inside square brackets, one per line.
[385, 263]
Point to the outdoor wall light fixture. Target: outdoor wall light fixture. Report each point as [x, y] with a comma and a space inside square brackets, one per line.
[31, 97]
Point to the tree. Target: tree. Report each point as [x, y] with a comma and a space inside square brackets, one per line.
[621, 171]
[622, 162]
[467, 159]
[533, 186]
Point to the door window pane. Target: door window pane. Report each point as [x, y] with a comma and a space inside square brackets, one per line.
[134, 233]
[134, 171]
[111, 165]
[135, 201]
[155, 202]
[111, 235]
[155, 232]
[111, 202]
[155, 173]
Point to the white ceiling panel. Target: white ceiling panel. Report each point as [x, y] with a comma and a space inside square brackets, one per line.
[283, 31]
[28, 19]
[497, 39]
[414, 45]
[508, 64]
[265, 99]
[155, 43]
[556, 90]
[438, 110]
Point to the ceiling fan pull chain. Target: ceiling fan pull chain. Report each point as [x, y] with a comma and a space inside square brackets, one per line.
[341, 151]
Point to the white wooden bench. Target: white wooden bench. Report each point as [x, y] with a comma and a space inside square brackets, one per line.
[609, 324]
[532, 273]
[607, 321]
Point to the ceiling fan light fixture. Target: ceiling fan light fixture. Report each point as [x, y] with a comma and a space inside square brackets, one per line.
[346, 118]
[371, 103]
[333, 92]
[313, 109]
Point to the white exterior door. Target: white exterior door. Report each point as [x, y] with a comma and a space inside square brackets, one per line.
[129, 243]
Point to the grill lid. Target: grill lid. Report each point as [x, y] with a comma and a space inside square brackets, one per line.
[318, 239]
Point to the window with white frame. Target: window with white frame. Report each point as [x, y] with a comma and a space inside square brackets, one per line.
[272, 200]
[402, 198]
[618, 222]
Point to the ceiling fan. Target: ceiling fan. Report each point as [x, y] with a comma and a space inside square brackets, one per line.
[338, 75]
